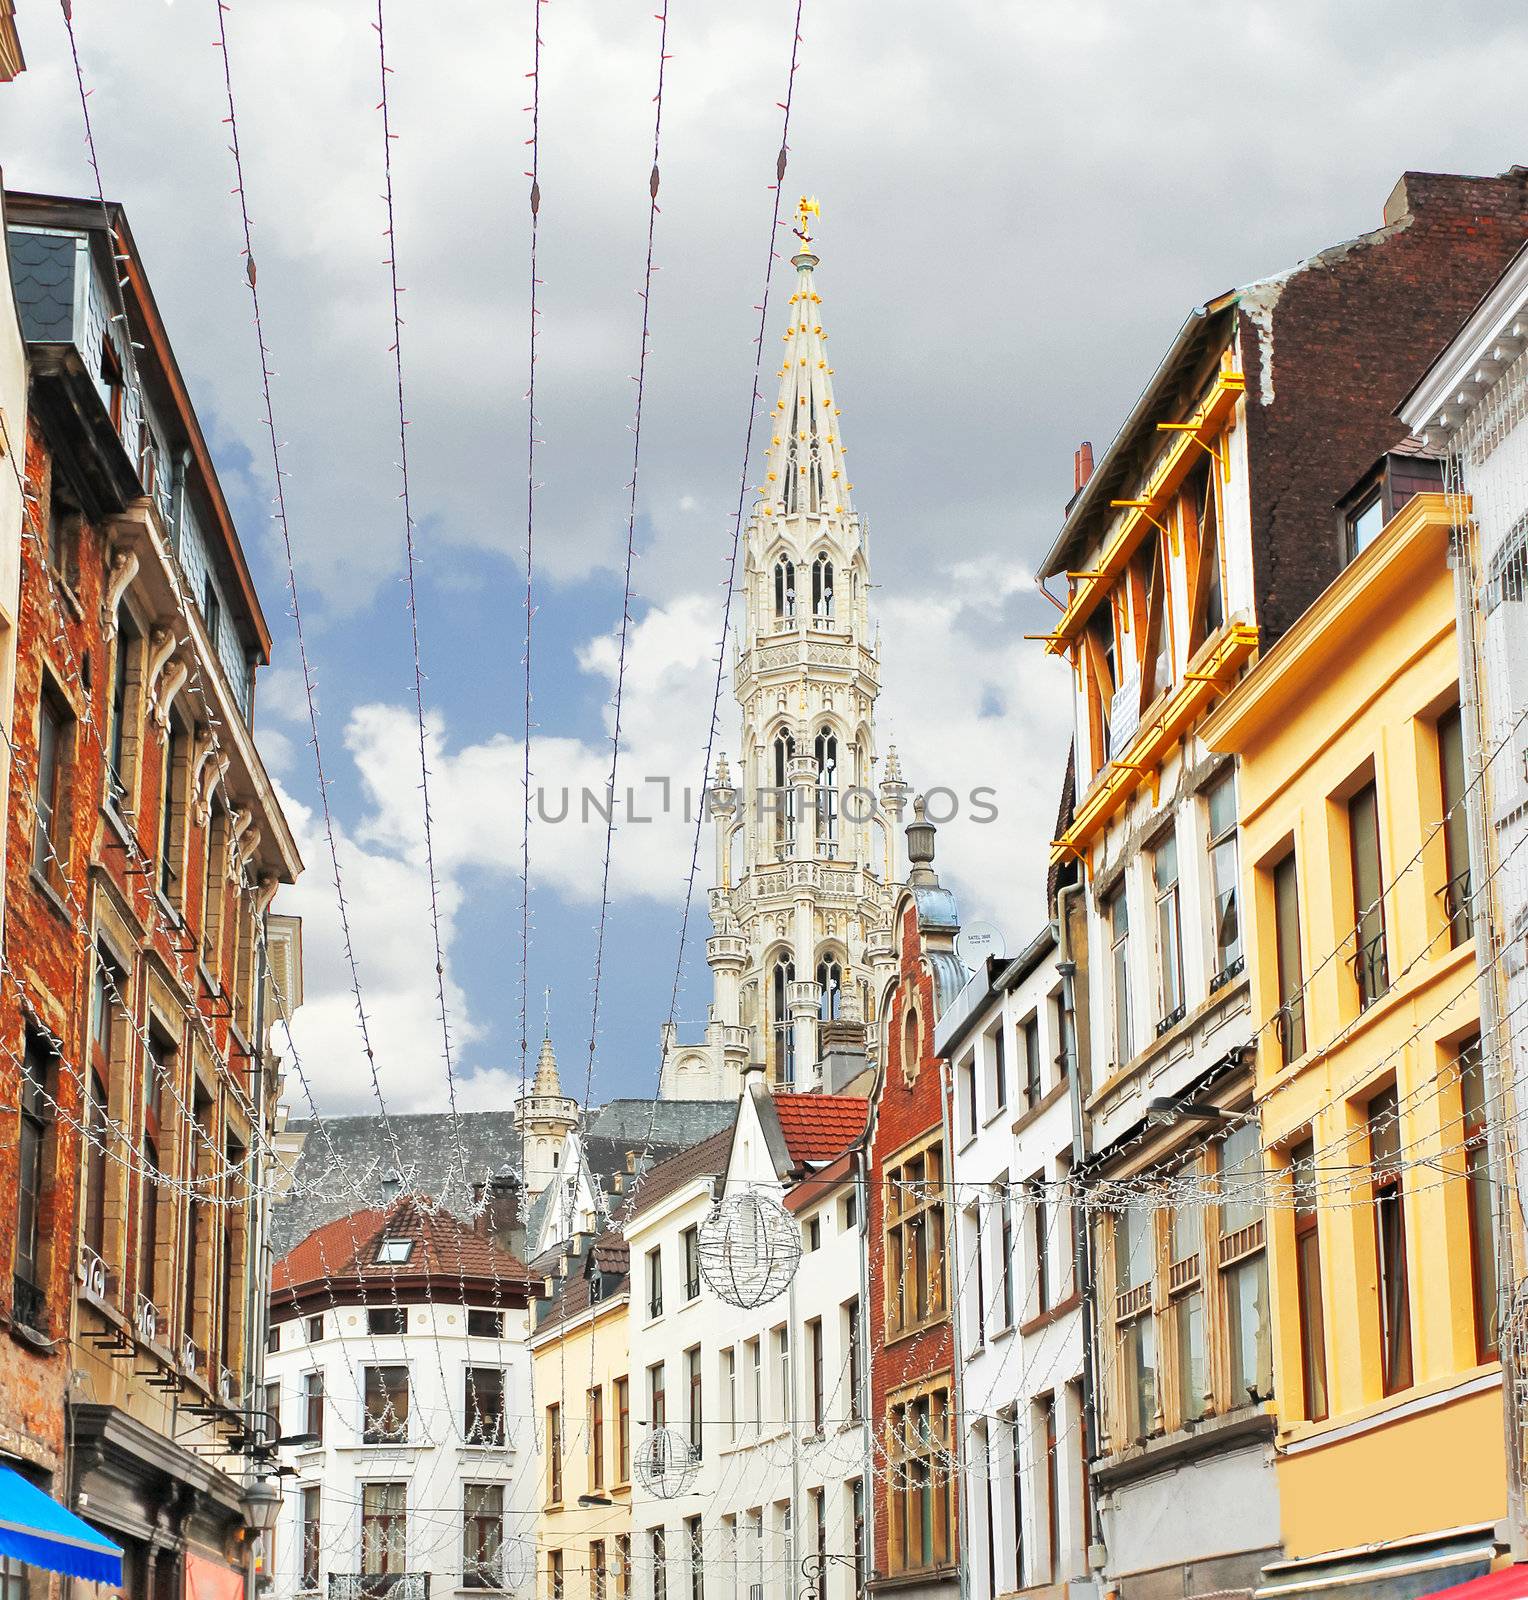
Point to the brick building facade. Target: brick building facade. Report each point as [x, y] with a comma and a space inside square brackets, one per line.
[915, 1540]
[145, 842]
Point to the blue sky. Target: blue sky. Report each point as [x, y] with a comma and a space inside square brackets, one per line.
[1020, 204]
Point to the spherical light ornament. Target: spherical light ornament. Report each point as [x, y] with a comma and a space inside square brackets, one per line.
[750, 1247]
[665, 1463]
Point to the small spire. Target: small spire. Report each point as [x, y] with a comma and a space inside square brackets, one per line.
[548, 1080]
[893, 766]
[723, 777]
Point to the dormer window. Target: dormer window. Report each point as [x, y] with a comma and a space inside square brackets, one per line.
[1364, 524]
[394, 1252]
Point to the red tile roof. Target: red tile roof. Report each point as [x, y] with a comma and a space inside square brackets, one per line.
[346, 1249]
[818, 1127]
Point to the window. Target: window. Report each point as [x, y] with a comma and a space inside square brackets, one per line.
[825, 749]
[1370, 968]
[554, 1455]
[695, 1551]
[1134, 1267]
[623, 1565]
[1456, 827]
[313, 1405]
[822, 587]
[815, 1356]
[999, 1069]
[597, 1437]
[817, 1500]
[555, 1578]
[484, 1412]
[1225, 909]
[212, 611]
[855, 1359]
[968, 1097]
[170, 841]
[121, 708]
[1385, 1143]
[622, 1430]
[756, 1378]
[915, 1242]
[1477, 1165]
[148, 1222]
[784, 752]
[976, 1287]
[482, 1324]
[1185, 1279]
[1244, 1265]
[782, 1338]
[482, 1535]
[1303, 1182]
[849, 1211]
[384, 1529]
[814, 1233]
[655, 1283]
[387, 1405]
[315, 1328]
[1016, 1470]
[98, 1132]
[783, 1037]
[1039, 1220]
[857, 1521]
[599, 1572]
[657, 1396]
[394, 1252]
[658, 1556]
[729, 1390]
[312, 1537]
[689, 1247]
[50, 831]
[1029, 1029]
[785, 589]
[919, 1488]
[1164, 870]
[1364, 524]
[696, 1405]
[1289, 1020]
[386, 1319]
[1005, 1248]
[32, 1162]
[1118, 914]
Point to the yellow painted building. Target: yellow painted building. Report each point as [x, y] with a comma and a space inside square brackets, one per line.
[582, 1393]
[1355, 863]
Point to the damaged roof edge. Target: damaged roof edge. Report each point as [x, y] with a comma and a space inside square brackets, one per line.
[1092, 499]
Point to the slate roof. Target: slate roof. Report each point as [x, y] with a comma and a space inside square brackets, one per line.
[346, 1249]
[818, 1127]
[704, 1160]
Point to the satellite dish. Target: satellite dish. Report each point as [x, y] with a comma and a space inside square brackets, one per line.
[974, 944]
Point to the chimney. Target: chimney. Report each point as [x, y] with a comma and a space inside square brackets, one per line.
[500, 1216]
[1082, 467]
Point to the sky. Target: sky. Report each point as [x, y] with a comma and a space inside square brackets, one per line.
[1020, 204]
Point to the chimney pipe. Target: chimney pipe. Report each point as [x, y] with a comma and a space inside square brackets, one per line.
[1082, 466]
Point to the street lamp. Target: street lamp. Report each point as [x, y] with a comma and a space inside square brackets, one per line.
[589, 1501]
[262, 1505]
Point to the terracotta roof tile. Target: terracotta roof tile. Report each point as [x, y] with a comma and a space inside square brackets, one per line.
[443, 1247]
[818, 1127]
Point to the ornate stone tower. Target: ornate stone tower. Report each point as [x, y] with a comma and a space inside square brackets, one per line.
[544, 1116]
[806, 828]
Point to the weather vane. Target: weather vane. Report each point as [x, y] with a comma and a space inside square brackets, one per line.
[806, 207]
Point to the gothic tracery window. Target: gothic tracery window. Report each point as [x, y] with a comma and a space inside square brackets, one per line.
[785, 588]
[825, 752]
[822, 588]
[785, 800]
[830, 983]
[782, 1039]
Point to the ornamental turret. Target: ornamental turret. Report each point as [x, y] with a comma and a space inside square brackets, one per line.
[805, 853]
[544, 1117]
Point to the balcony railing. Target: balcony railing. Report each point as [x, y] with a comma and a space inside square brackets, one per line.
[373, 1585]
[1371, 968]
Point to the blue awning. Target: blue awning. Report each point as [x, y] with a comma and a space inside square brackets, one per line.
[40, 1532]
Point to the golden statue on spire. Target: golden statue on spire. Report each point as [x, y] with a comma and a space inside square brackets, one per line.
[806, 207]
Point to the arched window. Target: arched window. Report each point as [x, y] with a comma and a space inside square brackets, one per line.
[825, 750]
[911, 1047]
[830, 982]
[782, 1038]
[785, 799]
[822, 588]
[785, 588]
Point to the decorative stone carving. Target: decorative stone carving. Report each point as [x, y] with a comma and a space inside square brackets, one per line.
[122, 571]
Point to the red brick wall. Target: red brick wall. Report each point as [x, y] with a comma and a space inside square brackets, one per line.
[1352, 331]
[903, 1115]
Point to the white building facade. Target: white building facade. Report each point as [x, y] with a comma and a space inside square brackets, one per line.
[1008, 1043]
[397, 1366]
[805, 819]
[773, 1398]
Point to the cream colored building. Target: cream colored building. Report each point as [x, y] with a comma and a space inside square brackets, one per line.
[581, 1389]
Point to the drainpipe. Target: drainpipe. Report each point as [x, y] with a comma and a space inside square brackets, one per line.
[1082, 1244]
[1497, 1092]
[957, 1346]
[863, 1398]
